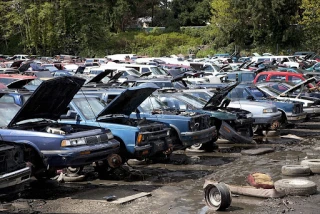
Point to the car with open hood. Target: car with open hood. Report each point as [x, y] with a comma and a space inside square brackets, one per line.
[14, 171]
[187, 128]
[139, 138]
[311, 105]
[232, 124]
[63, 145]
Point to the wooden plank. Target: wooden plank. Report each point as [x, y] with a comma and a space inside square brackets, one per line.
[131, 198]
[258, 151]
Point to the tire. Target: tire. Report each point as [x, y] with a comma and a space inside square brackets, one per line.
[295, 170]
[208, 147]
[74, 170]
[217, 197]
[296, 187]
[314, 165]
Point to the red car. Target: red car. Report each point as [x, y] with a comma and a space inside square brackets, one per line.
[279, 76]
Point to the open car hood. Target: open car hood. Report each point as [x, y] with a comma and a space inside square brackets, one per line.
[129, 100]
[19, 83]
[50, 100]
[301, 84]
[218, 96]
[99, 77]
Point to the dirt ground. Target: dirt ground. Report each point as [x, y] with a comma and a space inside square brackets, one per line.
[177, 186]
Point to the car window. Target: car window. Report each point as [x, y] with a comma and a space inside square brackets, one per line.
[262, 78]
[201, 94]
[6, 114]
[232, 77]
[294, 79]
[277, 78]
[144, 70]
[7, 99]
[247, 77]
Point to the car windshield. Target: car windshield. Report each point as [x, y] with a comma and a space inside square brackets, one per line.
[257, 93]
[292, 59]
[192, 100]
[248, 77]
[271, 92]
[133, 72]
[151, 104]
[6, 114]
[201, 94]
[157, 71]
[90, 107]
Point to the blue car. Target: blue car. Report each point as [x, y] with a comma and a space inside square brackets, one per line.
[51, 145]
[139, 138]
[292, 112]
[187, 128]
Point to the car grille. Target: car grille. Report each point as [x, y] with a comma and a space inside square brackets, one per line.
[154, 132]
[96, 139]
[201, 122]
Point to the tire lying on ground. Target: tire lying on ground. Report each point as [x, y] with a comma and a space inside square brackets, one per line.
[296, 186]
[314, 165]
[296, 170]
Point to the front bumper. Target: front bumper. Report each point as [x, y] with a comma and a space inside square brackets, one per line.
[312, 111]
[203, 136]
[267, 119]
[81, 155]
[232, 135]
[296, 118]
[10, 181]
[155, 147]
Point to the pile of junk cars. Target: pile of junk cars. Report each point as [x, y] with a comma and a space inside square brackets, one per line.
[53, 122]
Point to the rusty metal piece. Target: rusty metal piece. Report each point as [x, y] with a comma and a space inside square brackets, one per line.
[114, 160]
[275, 125]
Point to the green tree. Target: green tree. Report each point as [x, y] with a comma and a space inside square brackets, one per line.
[310, 23]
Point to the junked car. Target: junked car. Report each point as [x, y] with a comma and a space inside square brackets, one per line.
[139, 138]
[311, 105]
[291, 111]
[233, 124]
[63, 145]
[14, 172]
[187, 128]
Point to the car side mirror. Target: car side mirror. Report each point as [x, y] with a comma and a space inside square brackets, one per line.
[250, 97]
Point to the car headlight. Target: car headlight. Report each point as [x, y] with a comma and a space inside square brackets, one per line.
[73, 142]
[110, 135]
[267, 110]
[168, 132]
[250, 115]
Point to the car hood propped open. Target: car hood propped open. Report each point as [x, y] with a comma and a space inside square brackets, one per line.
[50, 100]
[218, 96]
[129, 100]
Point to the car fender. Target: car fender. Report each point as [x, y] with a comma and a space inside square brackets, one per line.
[176, 129]
[32, 145]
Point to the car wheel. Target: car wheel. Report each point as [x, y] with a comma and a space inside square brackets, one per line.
[295, 170]
[74, 170]
[217, 197]
[297, 187]
[314, 165]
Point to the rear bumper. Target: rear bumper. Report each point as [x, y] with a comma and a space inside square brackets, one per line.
[82, 155]
[10, 182]
[232, 135]
[203, 136]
